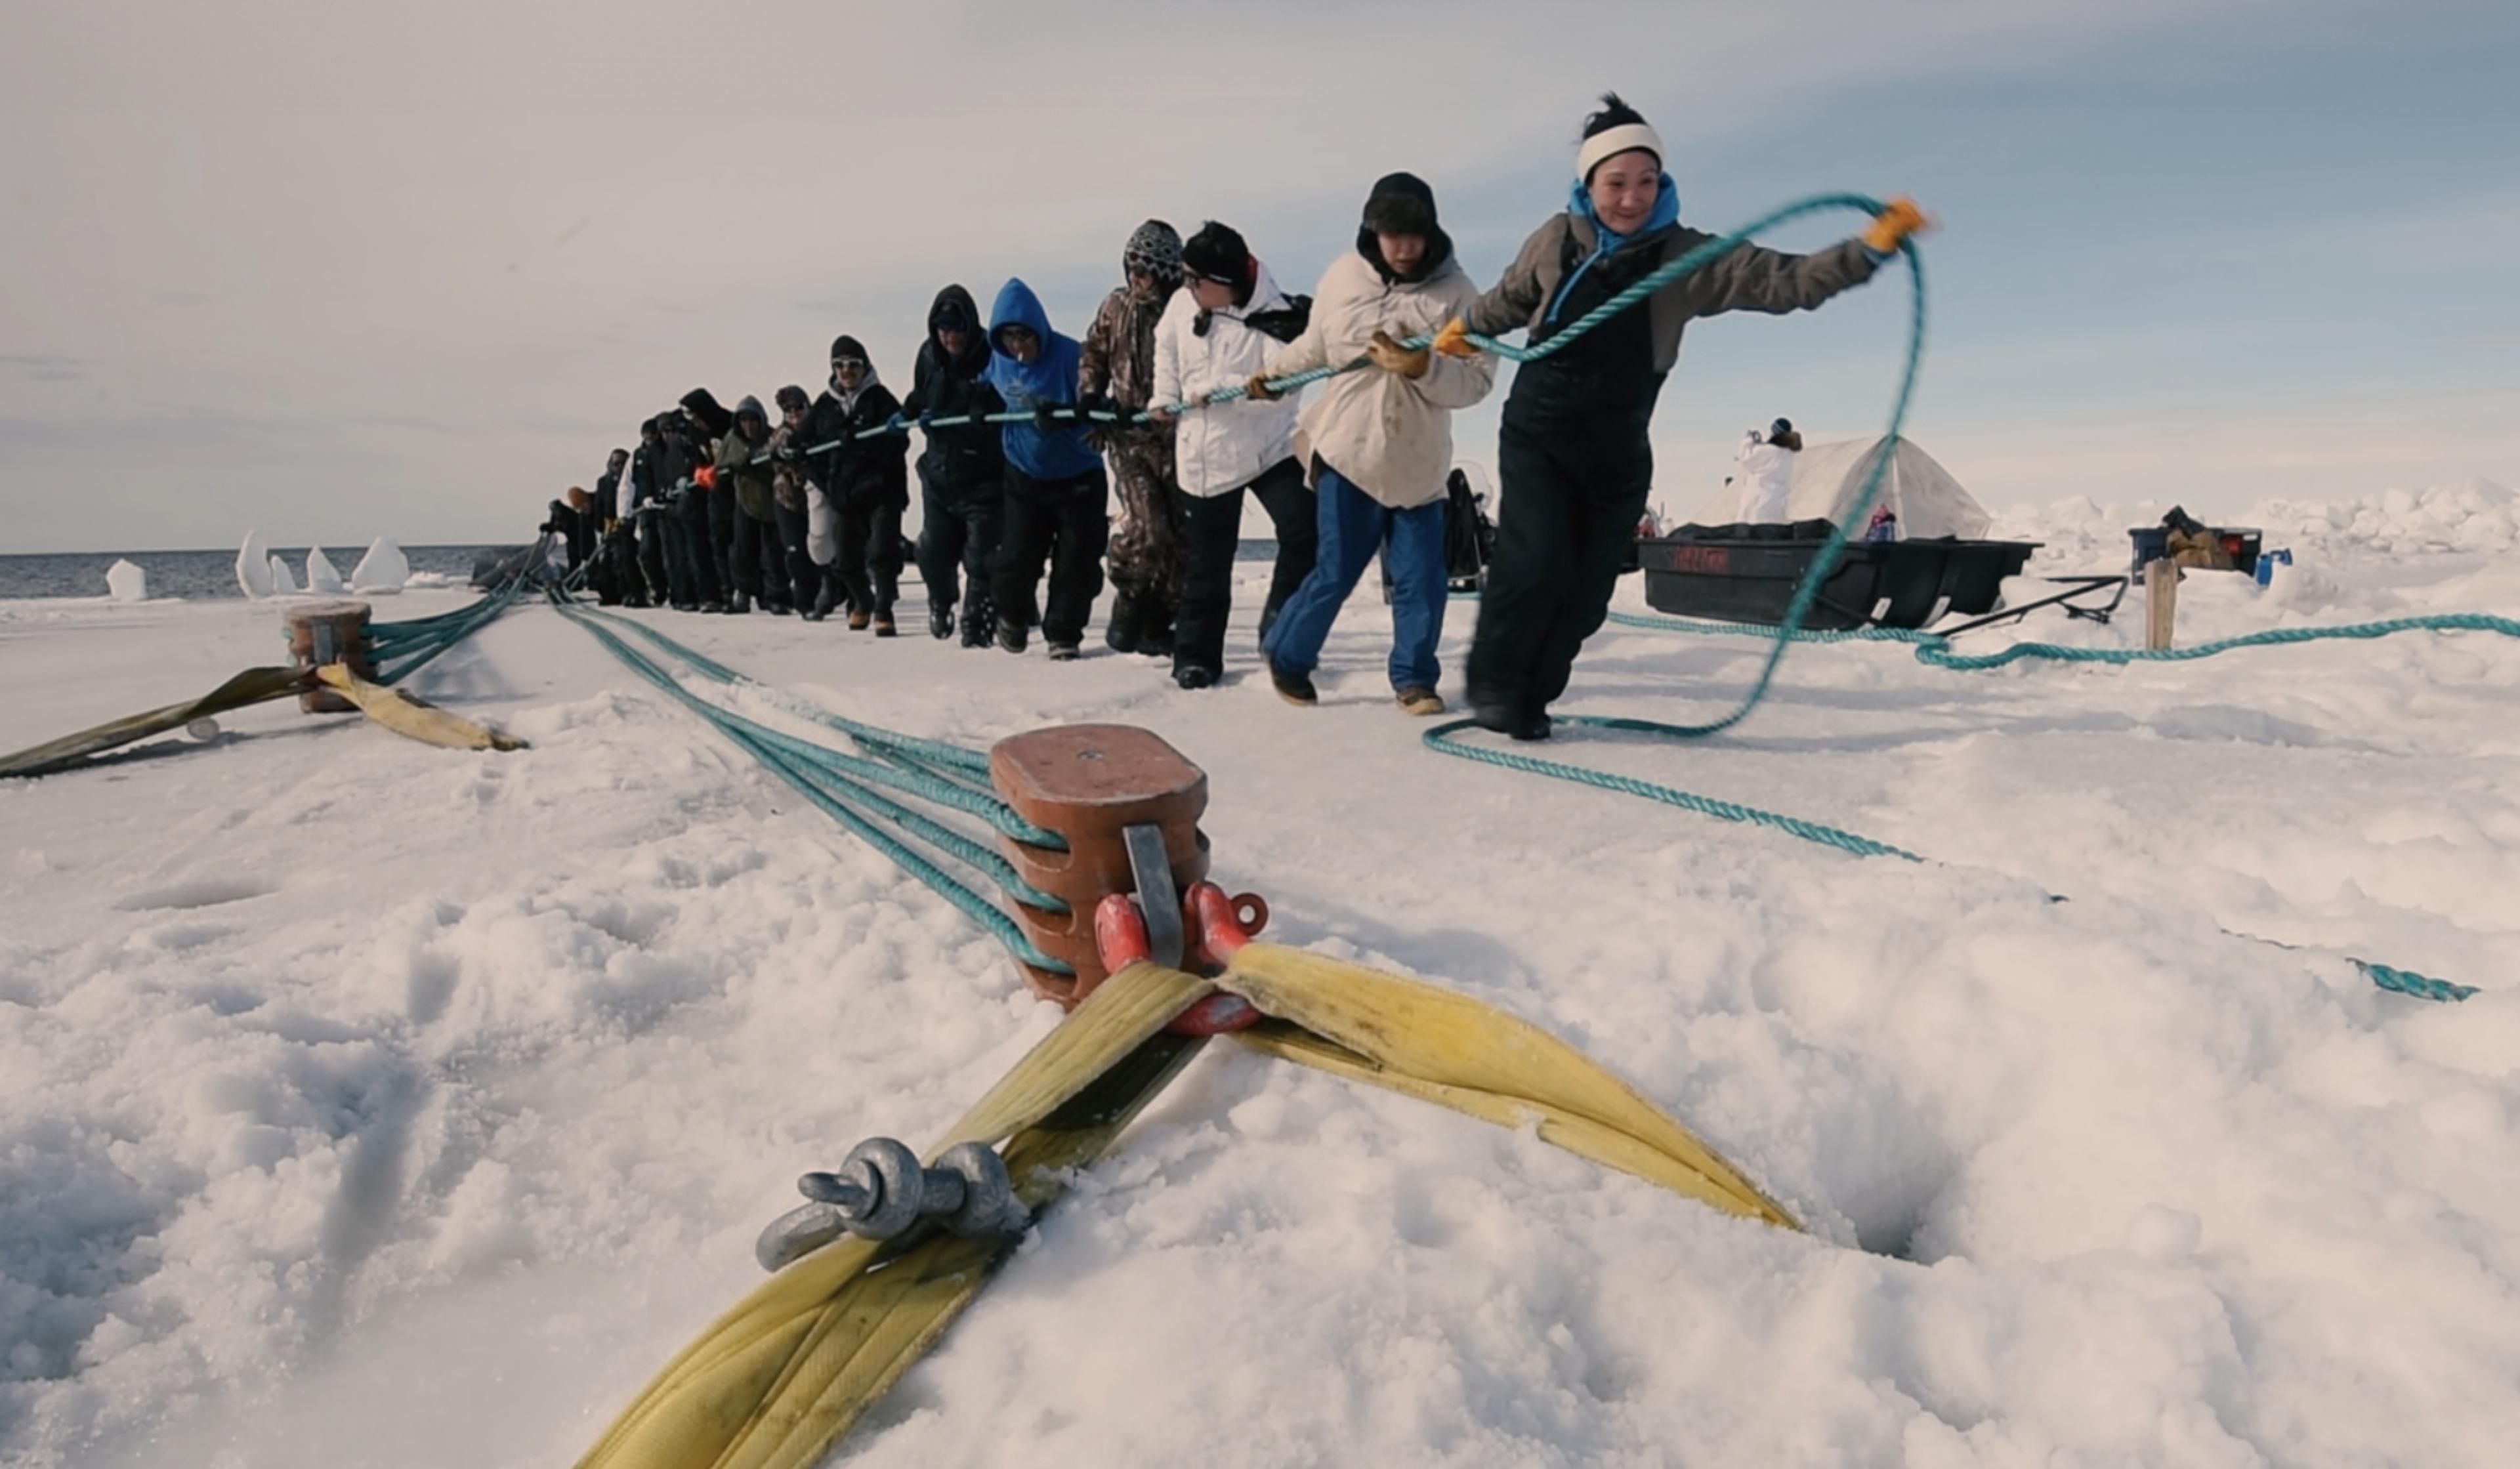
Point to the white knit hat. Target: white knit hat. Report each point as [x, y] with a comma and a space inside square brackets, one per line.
[1612, 141]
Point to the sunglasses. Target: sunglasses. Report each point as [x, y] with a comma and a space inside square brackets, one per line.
[844, 364]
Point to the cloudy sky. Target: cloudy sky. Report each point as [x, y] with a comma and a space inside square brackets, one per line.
[336, 270]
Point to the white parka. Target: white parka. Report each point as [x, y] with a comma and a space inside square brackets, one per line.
[1766, 480]
[1389, 435]
[1223, 446]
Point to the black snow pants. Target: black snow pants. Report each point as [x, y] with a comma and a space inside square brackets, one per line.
[1065, 522]
[959, 530]
[1570, 497]
[1215, 531]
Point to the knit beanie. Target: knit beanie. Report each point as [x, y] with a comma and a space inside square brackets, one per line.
[1401, 203]
[1615, 129]
[1217, 254]
[1154, 247]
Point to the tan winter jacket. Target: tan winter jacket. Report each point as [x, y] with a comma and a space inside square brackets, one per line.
[1389, 435]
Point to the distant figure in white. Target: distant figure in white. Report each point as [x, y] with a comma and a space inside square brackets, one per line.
[1767, 477]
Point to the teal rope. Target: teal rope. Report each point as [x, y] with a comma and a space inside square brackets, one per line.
[1790, 630]
[911, 749]
[804, 780]
[1439, 738]
[1934, 649]
[1638, 291]
[410, 646]
[2387, 977]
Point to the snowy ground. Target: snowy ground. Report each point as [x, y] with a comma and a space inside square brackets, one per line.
[366, 1103]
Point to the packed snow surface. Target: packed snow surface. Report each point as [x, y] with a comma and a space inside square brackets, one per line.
[366, 1103]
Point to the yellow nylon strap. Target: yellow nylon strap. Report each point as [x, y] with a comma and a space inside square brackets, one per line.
[408, 717]
[777, 1381]
[1459, 1052]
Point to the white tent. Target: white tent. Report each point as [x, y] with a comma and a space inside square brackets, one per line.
[1827, 478]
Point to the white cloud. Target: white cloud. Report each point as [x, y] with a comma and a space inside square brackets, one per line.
[411, 251]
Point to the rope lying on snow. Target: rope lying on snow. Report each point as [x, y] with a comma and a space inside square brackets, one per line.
[1934, 649]
[840, 786]
[1441, 740]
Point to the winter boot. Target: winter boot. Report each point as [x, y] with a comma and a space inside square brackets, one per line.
[978, 621]
[1511, 718]
[884, 626]
[1293, 688]
[1194, 676]
[860, 619]
[1122, 632]
[940, 620]
[1065, 652]
[825, 597]
[742, 606]
[1012, 636]
[1155, 629]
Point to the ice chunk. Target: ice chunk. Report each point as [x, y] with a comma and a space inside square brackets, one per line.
[320, 575]
[385, 568]
[254, 567]
[125, 582]
[282, 582]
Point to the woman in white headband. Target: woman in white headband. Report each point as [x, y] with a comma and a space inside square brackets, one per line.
[1573, 458]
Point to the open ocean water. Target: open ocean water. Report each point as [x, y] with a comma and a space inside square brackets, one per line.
[197, 575]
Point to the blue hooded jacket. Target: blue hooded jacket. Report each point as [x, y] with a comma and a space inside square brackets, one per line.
[1666, 213]
[1050, 378]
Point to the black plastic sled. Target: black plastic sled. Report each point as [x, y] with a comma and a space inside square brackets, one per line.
[1747, 573]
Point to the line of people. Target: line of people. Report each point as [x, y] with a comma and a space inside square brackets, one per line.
[724, 510]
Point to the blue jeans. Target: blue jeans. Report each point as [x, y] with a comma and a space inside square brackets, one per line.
[1354, 525]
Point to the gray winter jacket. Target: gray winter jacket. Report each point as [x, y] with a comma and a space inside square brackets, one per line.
[1746, 279]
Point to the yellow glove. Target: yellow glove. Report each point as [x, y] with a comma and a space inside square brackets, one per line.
[1894, 225]
[1258, 390]
[1392, 357]
[1455, 339]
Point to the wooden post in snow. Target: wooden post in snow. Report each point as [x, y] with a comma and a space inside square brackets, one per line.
[2160, 602]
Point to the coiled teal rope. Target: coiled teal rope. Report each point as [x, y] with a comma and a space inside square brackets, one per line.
[1929, 647]
[815, 778]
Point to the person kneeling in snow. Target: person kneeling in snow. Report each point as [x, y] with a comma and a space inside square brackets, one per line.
[1575, 465]
[1056, 490]
[1381, 438]
[1215, 333]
